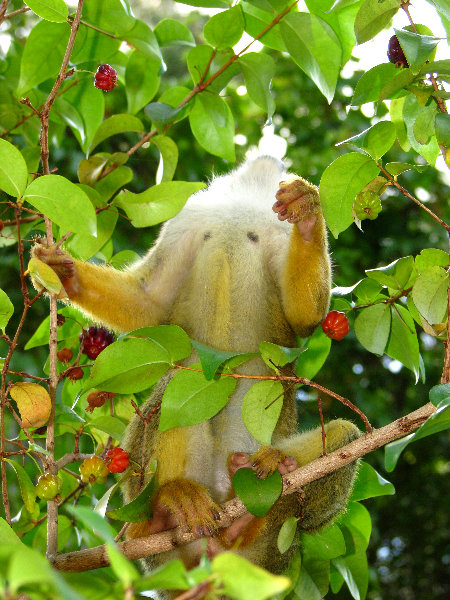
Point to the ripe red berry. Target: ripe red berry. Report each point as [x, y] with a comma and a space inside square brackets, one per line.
[105, 78]
[65, 355]
[335, 325]
[75, 374]
[94, 340]
[117, 460]
[93, 470]
[48, 486]
[395, 53]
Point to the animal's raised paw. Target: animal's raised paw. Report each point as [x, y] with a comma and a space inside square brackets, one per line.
[297, 199]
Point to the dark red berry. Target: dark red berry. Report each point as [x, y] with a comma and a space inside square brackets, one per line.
[75, 374]
[395, 53]
[117, 460]
[335, 325]
[60, 319]
[105, 78]
[94, 340]
[65, 355]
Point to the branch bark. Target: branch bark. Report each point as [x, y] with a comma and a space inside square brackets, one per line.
[94, 558]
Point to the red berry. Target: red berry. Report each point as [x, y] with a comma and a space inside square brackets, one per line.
[60, 319]
[75, 374]
[93, 470]
[395, 53]
[117, 460]
[94, 340]
[65, 355]
[335, 325]
[48, 486]
[105, 78]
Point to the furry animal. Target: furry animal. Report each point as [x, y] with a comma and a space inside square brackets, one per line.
[232, 275]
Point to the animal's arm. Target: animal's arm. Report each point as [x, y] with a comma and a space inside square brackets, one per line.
[305, 278]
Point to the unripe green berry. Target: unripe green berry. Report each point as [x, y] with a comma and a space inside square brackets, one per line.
[48, 486]
[94, 470]
[367, 205]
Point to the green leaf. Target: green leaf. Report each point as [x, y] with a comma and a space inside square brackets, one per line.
[258, 495]
[241, 580]
[171, 338]
[6, 309]
[50, 10]
[143, 39]
[114, 125]
[353, 567]
[71, 328]
[92, 521]
[161, 113]
[376, 140]
[63, 202]
[367, 291]
[440, 395]
[86, 246]
[315, 48]
[443, 128]
[372, 17]
[110, 425]
[261, 408]
[258, 20]
[129, 365]
[371, 83]
[403, 344]
[357, 517]
[430, 294]
[286, 534]
[313, 580]
[317, 350]
[417, 48]
[278, 356]
[341, 181]
[372, 327]
[325, 544]
[258, 70]
[211, 359]
[369, 484]
[397, 85]
[189, 399]
[28, 567]
[123, 569]
[424, 125]
[45, 39]
[439, 421]
[27, 490]
[225, 29]
[158, 203]
[138, 509]
[141, 80]
[13, 170]
[168, 157]
[212, 125]
[394, 276]
[108, 186]
[170, 32]
[396, 168]
[411, 111]
[171, 576]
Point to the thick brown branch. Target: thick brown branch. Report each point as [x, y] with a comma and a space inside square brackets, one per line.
[94, 558]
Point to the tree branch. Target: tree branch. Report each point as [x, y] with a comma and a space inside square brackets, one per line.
[94, 558]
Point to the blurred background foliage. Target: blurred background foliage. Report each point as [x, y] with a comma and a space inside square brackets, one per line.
[409, 552]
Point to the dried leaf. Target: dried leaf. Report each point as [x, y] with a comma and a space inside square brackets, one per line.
[33, 402]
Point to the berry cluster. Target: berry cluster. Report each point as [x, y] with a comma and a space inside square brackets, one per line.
[117, 460]
[94, 340]
[105, 78]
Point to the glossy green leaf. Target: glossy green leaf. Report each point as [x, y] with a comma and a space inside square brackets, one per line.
[258, 495]
[315, 48]
[63, 202]
[225, 29]
[376, 140]
[113, 426]
[70, 329]
[108, 186]
[417, 48]
[258, 20]
[122, 568]
[115, 125]
[138, 509]
[278, 356]
[170, 32]
[424, 125]
[261, 408]
[313, 580]
[212, 125]
[317, 349]
[258, 70]
[353, 567]
[168, 157]
[170, 576]
[395, 275]
[45, 39]
[286, 534]
[367, 291]
[443, 128]
[372, 82]
[357, 517]
[141, 81]
[27, 489]
[430, 294]
[28, 567]
[6, 309]
[141, 37]
[372, 327]
[128, 365]
[93, 521]
[242, 580]
[372, 17]
[189, 399]
[369, 484]
[50, 10]
[158, 203]
[440, 395]
[396, 85]
[211, 359]
[403, 344]
[171, 338]
[325, 544]
[13, 170]
[341, 181]
[411, 111]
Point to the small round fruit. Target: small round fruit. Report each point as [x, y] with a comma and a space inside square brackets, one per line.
[395, 53]
[105, 78]
[367, 205]
[96, 399]
[335, 325]
[60, 320]
[75, 374]
[93, 470]
[48, 486]
[117, 460]
[65, 355]
[94, 340]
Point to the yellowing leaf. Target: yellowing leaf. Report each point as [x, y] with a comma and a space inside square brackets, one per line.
[33, 402]
[44, 275]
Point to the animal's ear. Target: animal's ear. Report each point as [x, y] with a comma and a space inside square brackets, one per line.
[262, 168]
